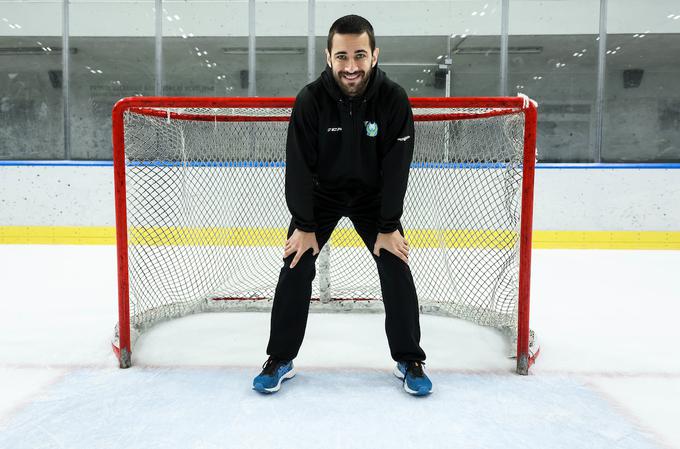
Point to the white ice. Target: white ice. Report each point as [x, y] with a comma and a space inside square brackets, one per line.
[608, 375]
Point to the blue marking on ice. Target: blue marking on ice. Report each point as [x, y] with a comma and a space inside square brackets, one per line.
[216, 408]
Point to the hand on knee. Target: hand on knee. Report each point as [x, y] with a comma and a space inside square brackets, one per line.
[393, 242]
[299, 243]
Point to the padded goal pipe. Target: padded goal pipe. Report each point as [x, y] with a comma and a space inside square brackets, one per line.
[524, 358]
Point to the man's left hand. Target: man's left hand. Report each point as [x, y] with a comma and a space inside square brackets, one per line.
[393, 242]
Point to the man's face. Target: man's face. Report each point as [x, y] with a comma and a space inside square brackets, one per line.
[351, 60]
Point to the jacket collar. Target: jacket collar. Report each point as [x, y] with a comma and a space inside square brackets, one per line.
[331, 86]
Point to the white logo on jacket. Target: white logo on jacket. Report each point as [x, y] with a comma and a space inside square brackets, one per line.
[371, 129]
[403, 139]
[333, 130]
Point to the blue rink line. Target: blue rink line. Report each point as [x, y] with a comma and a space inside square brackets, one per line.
[216, 408]
[474, 165]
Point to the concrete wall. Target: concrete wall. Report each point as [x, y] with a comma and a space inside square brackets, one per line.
[289, 18]
[116, 41]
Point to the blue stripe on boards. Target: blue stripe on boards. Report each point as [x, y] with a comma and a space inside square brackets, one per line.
[57, 163]
[206, 164]
[608, 166]
[467, 165]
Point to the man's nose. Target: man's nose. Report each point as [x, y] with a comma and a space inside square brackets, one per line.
[351, 66]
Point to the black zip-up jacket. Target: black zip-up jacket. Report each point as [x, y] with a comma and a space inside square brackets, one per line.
[349, 149]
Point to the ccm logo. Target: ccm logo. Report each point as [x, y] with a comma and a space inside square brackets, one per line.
[333, 130]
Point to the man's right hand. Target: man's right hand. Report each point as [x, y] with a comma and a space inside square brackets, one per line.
[299, 243]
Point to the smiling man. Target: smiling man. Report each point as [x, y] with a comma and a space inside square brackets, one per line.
[348, 153]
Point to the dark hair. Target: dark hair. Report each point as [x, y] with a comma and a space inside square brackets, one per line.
[351, 24]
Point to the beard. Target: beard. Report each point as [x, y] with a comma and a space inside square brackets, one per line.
[353, 87]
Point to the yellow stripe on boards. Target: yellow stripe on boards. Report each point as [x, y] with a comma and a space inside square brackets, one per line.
[185, 236]
[606, 239]
[428, 238]
[418, 238]
[341, 238]
[58, 235]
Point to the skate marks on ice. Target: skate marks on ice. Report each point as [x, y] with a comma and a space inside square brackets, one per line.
[216, 408]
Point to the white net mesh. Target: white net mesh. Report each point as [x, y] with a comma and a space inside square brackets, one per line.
[207, 217]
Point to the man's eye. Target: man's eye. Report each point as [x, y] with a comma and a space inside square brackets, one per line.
[361, 55]
[340, 57]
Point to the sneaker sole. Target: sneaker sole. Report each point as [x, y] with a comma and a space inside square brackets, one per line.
[398, 374]
[261, 389]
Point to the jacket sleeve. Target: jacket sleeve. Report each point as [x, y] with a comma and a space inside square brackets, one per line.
[396, 160]
[301, 158]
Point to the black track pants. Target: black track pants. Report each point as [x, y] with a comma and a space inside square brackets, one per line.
[294, 288]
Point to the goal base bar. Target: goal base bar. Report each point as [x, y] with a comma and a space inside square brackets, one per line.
[335, 305]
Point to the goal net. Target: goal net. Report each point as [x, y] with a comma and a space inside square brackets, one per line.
[201, 215]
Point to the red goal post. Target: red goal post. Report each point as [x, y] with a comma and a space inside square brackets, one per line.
[451, 130]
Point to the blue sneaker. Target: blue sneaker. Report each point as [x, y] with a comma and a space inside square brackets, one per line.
[273, 373]
[415, 380]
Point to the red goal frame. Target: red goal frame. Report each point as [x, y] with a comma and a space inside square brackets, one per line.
[500, 106]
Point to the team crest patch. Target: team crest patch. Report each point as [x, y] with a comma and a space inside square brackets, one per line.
[371, 129]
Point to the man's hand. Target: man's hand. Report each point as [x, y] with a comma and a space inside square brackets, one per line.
[393, 242]
[299, 243]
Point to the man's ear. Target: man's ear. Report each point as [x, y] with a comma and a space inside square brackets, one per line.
[375, 56]
[328, 59]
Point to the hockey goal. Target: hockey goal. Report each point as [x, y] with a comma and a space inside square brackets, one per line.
[201, 216]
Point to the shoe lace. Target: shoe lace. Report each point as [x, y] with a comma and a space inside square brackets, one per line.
[269, 366]
[415, 369]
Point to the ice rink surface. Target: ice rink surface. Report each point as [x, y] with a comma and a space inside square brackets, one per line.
[608, 375]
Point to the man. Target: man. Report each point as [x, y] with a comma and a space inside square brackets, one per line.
[348, 152]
